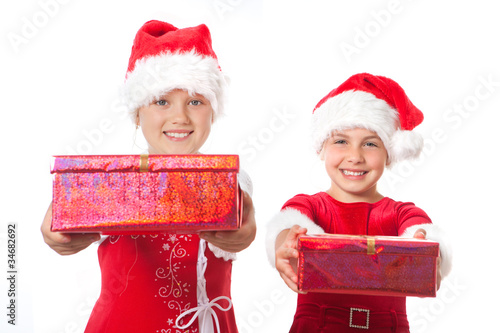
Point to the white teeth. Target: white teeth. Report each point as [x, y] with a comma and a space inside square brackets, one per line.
[177, 135]
[352, 173]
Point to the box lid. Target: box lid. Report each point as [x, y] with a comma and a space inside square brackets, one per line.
[143, 163]
[371, 245]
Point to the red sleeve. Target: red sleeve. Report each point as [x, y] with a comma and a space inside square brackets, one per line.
[409, 215]
[303, 204]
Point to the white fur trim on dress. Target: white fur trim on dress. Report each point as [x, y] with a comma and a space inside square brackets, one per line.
[156, 75]
[245, 182]
[359, 109]
[435, 233]
[286, 219]
[220, 253]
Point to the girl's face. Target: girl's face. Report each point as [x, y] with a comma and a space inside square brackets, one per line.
[355, 160]
[176, 123]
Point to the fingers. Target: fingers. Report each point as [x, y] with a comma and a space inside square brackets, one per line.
[295, 231]
[420, 234]
[65, 244]
[439, 277]
[77, 243]
[226, 240]
[287, 255]
[292, 284]
[237, 240]
[286, 264]
[248, 208]
[52, 238]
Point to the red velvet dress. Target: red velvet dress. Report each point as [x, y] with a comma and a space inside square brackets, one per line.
[148, 281]
[323, 312]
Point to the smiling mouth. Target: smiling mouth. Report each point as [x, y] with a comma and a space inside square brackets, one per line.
[354, 173]
[177, 135]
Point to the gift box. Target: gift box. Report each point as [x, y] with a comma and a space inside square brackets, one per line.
[135, 194]
[378, 265]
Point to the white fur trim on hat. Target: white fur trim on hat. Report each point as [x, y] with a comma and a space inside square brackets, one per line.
[435, 233]
[405, 145]
[358, 109]
[286, 219]
[156, 75]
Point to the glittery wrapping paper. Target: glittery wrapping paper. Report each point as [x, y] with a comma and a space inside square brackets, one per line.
[342, 264]
[134, 194]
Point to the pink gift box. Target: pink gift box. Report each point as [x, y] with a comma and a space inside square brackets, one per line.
[368, 265]
[136, 194]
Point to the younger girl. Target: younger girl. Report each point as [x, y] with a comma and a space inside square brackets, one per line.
[358, 129]
[174, 89]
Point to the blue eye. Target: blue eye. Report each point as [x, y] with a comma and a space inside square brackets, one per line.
[195, 102]
[161, 102]
[340, 142]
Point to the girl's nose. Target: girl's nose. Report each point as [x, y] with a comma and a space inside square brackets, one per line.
[355, 155]
[178, 114]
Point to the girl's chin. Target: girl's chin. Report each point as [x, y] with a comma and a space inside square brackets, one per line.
[170, 151]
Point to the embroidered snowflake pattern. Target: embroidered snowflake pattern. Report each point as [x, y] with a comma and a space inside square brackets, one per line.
[174, 286]
[172, 238]
[113, 239]
[172, 289]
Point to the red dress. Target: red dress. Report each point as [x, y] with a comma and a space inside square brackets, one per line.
[322, 312]
[148, 281]
[166, 283]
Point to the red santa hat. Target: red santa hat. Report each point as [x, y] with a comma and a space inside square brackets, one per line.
[164, 58]
[373, 102]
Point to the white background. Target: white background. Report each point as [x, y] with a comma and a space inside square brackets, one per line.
[62, 62]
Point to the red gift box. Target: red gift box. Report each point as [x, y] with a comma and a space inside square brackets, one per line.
[134, 194]
[368, 265]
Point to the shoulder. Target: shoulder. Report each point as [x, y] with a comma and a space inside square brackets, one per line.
[303, 200]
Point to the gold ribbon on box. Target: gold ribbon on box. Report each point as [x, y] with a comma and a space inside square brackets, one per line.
[370, 242]
[370, 245]
[144, 163]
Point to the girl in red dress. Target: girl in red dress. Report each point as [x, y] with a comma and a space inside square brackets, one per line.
[174, 90]
[359, 128]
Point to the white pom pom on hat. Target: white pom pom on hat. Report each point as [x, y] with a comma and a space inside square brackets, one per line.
[164, 58]
[373, 102]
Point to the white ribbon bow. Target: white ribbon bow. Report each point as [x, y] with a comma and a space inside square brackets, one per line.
[203, 311]
[204, 308]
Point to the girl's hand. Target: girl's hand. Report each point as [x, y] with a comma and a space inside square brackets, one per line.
[65, 244]
[421, 234]
[287, 255]
[237, 240]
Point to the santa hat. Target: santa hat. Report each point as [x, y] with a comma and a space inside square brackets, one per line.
[373, 102]
[164, 58]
